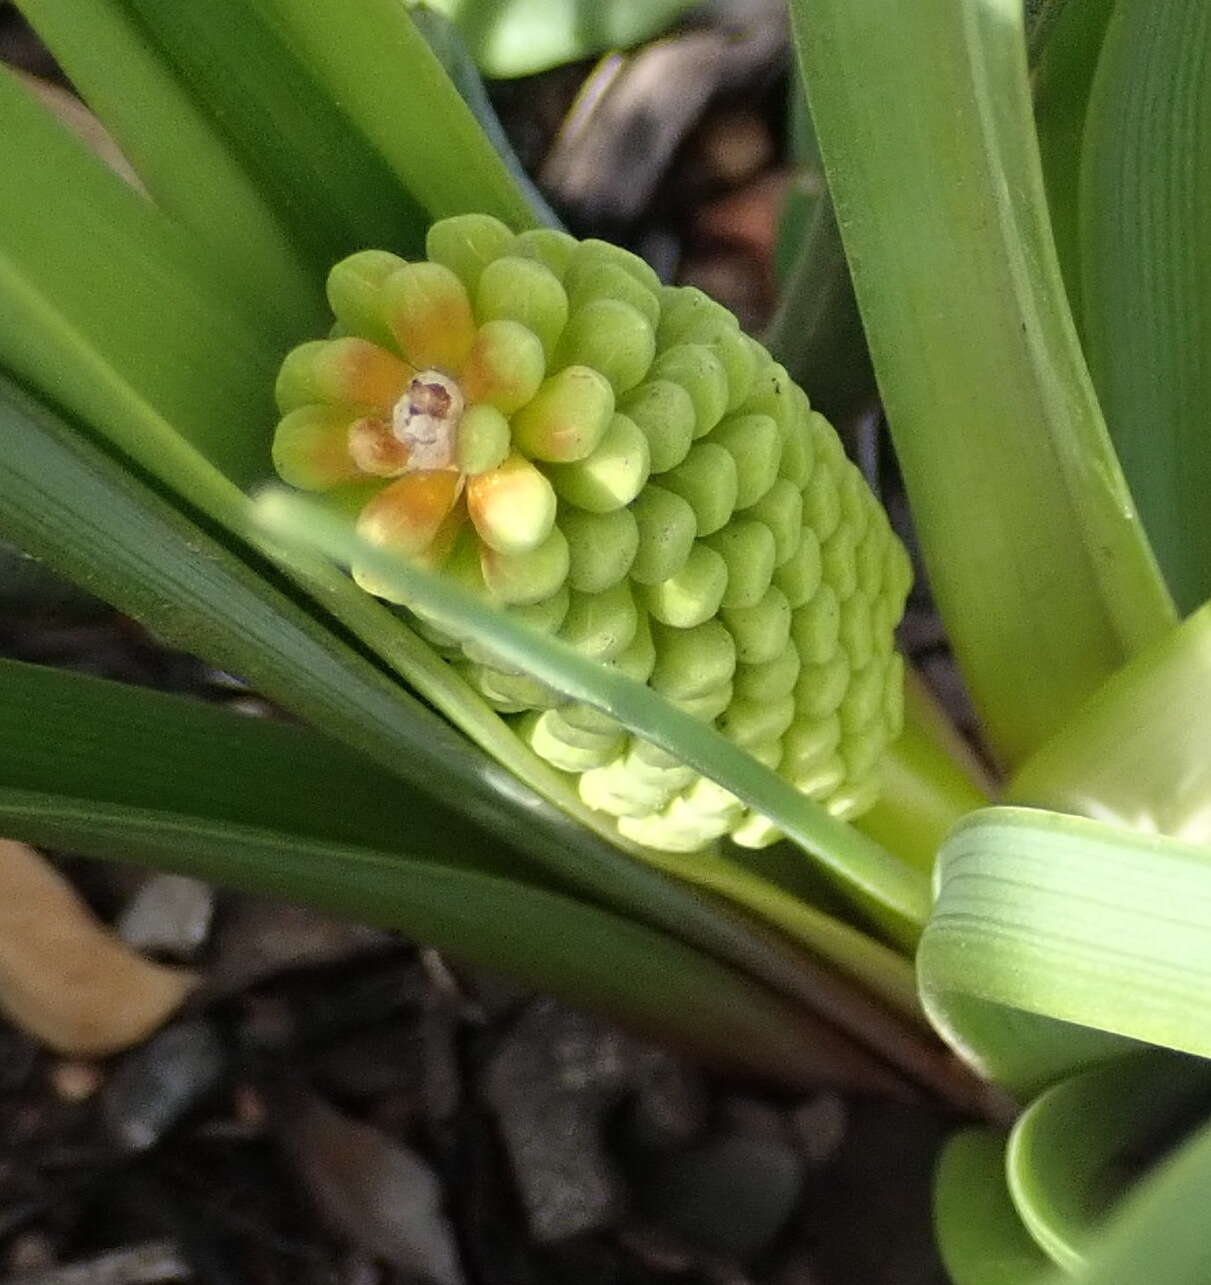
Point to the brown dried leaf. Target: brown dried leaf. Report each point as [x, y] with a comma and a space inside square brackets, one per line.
[64, 977]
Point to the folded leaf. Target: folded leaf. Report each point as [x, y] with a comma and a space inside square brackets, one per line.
[1056, 942]
[980, 1236]
[1071, 1152]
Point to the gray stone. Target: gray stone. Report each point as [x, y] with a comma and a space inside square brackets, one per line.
[818, 1127]
[730, 1196]
[669, 1107]
[550, 1083]
[152, 1087]
[169, 915]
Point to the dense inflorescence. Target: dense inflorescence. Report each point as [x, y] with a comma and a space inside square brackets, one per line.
[612, 461]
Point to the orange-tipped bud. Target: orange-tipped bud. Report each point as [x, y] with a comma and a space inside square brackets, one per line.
[512, 507]
[311, 448]
[375, 449]
[341, 372]
[483, 440]
[407, 515]
[355, 292]
[429, 313]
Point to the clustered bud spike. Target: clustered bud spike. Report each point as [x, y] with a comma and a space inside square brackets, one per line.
[615, 463]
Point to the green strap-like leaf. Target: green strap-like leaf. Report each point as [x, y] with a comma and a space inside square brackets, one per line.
[66, 502]
[980, 1235]
[892, 890]
[1070, 34]
[1056, 941]
[816, 332]
[444, 39]
[182, 156]
[1146, 270]
[111, 743]
[924, 117]
[587, 955]
[328, 184]
[373, 61]
[94, 280]
[116, 744]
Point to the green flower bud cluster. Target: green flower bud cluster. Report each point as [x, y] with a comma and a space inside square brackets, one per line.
[613, 462]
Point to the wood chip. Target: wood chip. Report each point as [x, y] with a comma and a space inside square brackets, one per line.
[635, 110]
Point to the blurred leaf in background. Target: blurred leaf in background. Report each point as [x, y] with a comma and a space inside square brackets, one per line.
[520, 37]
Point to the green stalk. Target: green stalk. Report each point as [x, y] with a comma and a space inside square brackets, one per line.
[1040, 566]
[930, 783]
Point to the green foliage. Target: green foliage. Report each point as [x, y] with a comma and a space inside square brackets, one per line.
[1010, 216]
[1145, 225]
[1005, 455]
[519, 37]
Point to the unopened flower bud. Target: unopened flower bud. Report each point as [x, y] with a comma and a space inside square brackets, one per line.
[613, 462]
